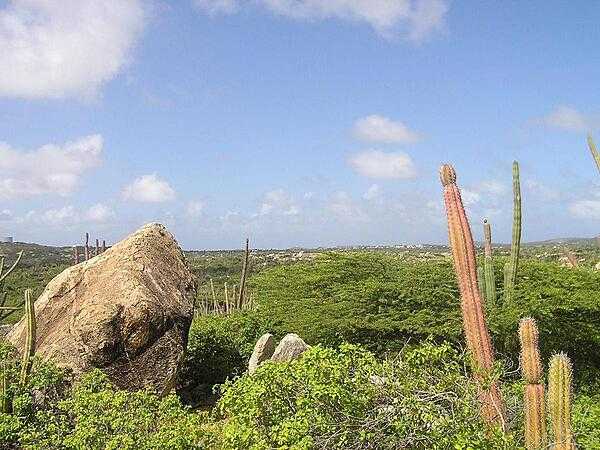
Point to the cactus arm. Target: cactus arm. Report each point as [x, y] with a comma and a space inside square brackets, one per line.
[593, 151]
[559, 401]
[531, 369]
[29, 349]
[475, 328]
[9, 271]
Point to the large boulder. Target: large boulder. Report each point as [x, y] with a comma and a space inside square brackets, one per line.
[289, 348]
[126, 311]
[263, 350]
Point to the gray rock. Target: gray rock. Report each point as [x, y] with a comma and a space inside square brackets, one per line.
[290, 347]
[263, 350]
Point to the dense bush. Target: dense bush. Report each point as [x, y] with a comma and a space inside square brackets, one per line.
[385, 301]
[218, 347]
[347, 399]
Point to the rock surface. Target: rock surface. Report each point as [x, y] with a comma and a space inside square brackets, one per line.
[290, 347]
[126, 311]
[263, 350]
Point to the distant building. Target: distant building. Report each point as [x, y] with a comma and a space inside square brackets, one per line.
[6, 239]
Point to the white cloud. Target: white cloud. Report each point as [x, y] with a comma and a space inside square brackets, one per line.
[493, 187]
[585, 209]
[372, 193]
[149, 189]
[99, 213]
[194, 209]
[65, 48]
[278, 201]
[417, 19]
[66, 215]
[469, 197]
[213, 7]
[378, 164]
[51, 169]
[376, 128]
[6, 214]
[342, 206]
[570, 119]
[543, 191]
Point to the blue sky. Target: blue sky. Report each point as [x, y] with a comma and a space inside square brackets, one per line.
[296, 122]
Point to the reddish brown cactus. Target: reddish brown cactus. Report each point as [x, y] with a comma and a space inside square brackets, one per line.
[474, 324]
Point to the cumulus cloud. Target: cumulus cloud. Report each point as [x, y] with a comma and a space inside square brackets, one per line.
[213, 7]
[194, 209]
[378, 164]
[372, 193]
[569, 119]
[65, 48]
[585, 209]
[99, 213]
[375, 128]
[51, 169]
[417, 19]
[280, 202]
[149, 189]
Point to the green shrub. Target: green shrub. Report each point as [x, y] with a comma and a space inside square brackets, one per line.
[347, 399]
[218, 348]
[383, 301]
[586, 421]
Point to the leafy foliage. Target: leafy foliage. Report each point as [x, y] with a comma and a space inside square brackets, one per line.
[347, 399]
[384, 301]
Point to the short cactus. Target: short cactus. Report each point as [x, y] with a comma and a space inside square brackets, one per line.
[29, 348]
[488, 266]
[531, 368]
[475, 328]
[559, 402]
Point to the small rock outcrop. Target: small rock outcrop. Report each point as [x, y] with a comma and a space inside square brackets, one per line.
[126, 311]
[263, 350]
[290, 347]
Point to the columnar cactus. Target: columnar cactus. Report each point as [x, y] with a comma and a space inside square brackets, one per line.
[5, 404]
[559, 402]
[488, 266]
[29, 348]
[510, 271]
[531, 369]
[594, 151]
[475, 328]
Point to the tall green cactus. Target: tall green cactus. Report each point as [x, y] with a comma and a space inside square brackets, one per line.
[594, 151]
[5, 403]
[531, 369]
[29, 348]
[559, 401]
[510, 270]
[474, 324]
[488, 266]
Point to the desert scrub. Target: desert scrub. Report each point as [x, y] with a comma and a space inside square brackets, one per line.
[218, 348]
[347, 399]
[97, 416]
[383, 301]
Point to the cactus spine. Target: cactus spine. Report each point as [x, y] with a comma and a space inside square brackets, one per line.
[559, 401]
[475, 328]
[510, 270]
[488, 266]
[594, 151]
[29, 348]
[531, 369]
